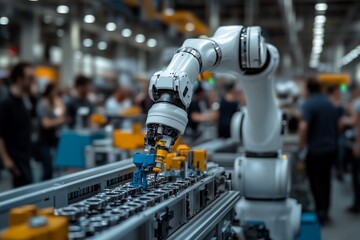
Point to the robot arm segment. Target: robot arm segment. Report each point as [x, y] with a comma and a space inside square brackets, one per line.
[234, 49]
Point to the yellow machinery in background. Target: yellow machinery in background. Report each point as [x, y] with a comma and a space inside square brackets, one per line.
[129, 140]
[328, 79]
[29, 223]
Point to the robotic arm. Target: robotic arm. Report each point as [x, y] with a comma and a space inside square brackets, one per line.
[238, 50]
[263, 174]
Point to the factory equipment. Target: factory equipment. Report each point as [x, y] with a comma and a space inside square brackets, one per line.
[262, 175]
[106, 204]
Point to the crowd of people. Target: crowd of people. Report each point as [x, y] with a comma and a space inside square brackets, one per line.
[31, 121]
[329, 133]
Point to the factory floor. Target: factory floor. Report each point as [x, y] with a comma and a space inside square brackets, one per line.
[344, 225]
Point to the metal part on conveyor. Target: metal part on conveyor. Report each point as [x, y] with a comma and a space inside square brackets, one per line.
[66, 190]
[170, 205]
[218, 216]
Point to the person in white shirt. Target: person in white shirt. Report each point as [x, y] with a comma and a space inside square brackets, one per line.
[118, 102]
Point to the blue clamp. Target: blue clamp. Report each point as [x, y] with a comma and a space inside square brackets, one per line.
[143, 163]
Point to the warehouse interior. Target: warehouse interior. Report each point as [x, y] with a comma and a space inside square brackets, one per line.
[179, 119]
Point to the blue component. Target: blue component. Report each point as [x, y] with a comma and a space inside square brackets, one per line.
[71, 147]
[310, 227]
[143, 163]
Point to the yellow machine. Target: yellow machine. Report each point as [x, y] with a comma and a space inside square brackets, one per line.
[196, 158]
[29, 223]
[333, 78]
[129, 140]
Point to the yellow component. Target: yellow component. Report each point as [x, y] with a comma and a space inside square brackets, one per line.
[169, 160]
[199, 159]
[333, 78]
[136, 128]
[98, 118]
[177, 162]
[161, 143]
[176, 144]
[56, 228]
[45, 212]
[129, 140]
[183, 150]
[131, 112]
[204, 76]
[21, 215]
[160, 159]
[50, 74]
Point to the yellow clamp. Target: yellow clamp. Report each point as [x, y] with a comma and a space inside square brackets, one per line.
[55, 227]
[199, 159]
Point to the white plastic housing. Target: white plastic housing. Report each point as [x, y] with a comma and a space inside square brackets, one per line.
[282, 218]
[168, 115]
[262, 178]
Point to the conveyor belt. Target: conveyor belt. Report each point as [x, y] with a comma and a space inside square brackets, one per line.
[63, 191]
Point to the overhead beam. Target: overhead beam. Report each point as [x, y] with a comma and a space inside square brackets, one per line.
[250, 12]
[289, 20]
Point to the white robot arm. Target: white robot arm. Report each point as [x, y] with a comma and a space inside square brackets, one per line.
[263, 173]
[239, 50]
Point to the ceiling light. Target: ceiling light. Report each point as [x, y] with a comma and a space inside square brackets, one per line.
[87, 42]
[89, 18]
[317, 49]
[110, 26]
[62, 9]
[151, 42]
[126, 32]
[321, 7]
[319, 24]
[320, 19]
[4, 20]
[33, 0]
[60, 33]
[317, 41]
[318, 30]
[140, 38]
[319, 34]
[47, 19]
[190, 27]
[102, 45]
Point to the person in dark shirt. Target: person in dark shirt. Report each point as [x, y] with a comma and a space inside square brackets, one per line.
[197, 114]
[15, 125]
[334, 95]
[51, 115]
[79, 108]
[318, 131]
[228, 106]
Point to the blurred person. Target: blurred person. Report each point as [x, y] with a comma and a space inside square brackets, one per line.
[51, 115]
[15, 125]
[228, 106]
[334, 95]
[118, 102]
[3, 89]
[197, 112]
[355, 160]
[79, 107]
[318, 133]
[142, 99]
